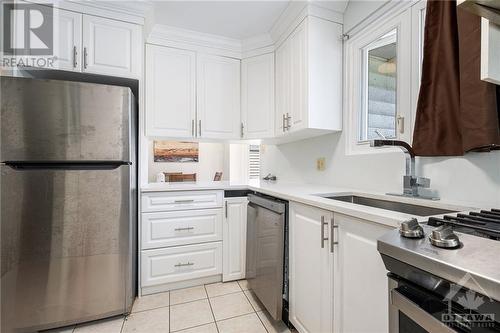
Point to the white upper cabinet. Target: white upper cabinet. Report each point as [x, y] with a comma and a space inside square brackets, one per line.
[296, 116]
[218, 97]
[170, 92]
[309, 80]
[111, 47]
[283, 93]
[69, 45]
[257, 97]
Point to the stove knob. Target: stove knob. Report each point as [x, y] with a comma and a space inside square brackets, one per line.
[411, 229]
[444, 237]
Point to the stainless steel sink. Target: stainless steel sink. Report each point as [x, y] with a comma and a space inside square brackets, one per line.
[391, 205]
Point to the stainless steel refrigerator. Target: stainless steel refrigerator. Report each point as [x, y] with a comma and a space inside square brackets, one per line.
[68, 202]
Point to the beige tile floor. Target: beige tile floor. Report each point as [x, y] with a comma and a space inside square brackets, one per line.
[213, 308]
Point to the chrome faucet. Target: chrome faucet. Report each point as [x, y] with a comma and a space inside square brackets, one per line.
[411, 182]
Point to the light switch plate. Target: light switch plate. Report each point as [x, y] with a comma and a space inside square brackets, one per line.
[320, 164]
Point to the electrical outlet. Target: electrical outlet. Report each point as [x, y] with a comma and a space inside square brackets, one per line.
[321, 164]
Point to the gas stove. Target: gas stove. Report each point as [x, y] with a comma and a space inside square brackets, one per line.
[451, 247]
[454, 254]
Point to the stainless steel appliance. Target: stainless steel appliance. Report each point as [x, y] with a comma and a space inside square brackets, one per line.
[267, 255]
[68, 202]
[444, 274]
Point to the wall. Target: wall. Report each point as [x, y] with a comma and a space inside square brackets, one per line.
[470, 180]
[213, 157]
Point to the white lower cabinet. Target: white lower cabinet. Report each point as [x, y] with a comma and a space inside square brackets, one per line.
[234, 238]
[180, 239]
[360, 277]
[174, 264]
[311, 269]
[341, 286]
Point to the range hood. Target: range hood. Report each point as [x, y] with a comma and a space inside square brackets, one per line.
[489, 10]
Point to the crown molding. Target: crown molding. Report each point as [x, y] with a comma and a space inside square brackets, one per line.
[127, 11]
[257, 45]
[291, 17]
[193, 40]
[295, 13]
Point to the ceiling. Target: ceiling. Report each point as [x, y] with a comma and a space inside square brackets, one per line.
[234, 19]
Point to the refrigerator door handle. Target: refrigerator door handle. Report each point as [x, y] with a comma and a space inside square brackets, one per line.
[65, 165]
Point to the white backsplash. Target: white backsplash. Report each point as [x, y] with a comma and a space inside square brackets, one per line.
[470, 180]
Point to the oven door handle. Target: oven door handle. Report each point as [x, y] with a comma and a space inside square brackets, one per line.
[417, 314]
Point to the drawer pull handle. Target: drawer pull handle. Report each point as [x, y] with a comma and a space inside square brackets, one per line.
[186, 264]
[182, 229]
[184, 201]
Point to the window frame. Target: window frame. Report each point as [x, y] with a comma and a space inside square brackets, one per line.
[363, 118]
[407, 19]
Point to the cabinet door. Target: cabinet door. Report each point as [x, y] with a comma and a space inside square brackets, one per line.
[257, 96]
[234, 239]
[170, 92]
[311, 270]
[69, 45]
[218, 102]
[360, 277]
[283, 60]
[298, 79]
[111, 47]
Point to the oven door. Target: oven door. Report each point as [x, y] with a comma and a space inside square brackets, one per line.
[413, 309]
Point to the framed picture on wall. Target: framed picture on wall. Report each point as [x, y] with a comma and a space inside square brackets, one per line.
[175, 151]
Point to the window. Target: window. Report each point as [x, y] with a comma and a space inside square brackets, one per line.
[254, 162]
[382, 76]
[378, 113]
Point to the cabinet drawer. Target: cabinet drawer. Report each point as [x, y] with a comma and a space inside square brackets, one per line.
[182, 200]
[181, 228]
[180, 263]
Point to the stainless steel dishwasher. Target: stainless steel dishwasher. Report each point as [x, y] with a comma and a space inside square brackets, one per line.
[267, 264]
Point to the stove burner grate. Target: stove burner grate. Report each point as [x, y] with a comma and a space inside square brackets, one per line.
[485, 223]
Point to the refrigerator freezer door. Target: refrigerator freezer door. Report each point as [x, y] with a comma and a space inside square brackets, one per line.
[49, 120]
[66, 246]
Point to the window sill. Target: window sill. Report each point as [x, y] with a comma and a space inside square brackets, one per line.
[363, 148]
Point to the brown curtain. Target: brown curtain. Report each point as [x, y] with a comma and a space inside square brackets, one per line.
[456, 111]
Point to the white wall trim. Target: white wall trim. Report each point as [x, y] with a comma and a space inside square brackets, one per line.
[397, 17]
[387, 10]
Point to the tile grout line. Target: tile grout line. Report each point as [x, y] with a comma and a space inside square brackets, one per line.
[211, 310]
[155, 308]
[191, 327]
[255, 311]
[123, 324]
[262, 321]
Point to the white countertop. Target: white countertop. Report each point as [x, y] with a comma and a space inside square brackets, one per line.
[308, 194]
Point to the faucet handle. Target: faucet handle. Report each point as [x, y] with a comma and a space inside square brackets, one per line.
[423, 182]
